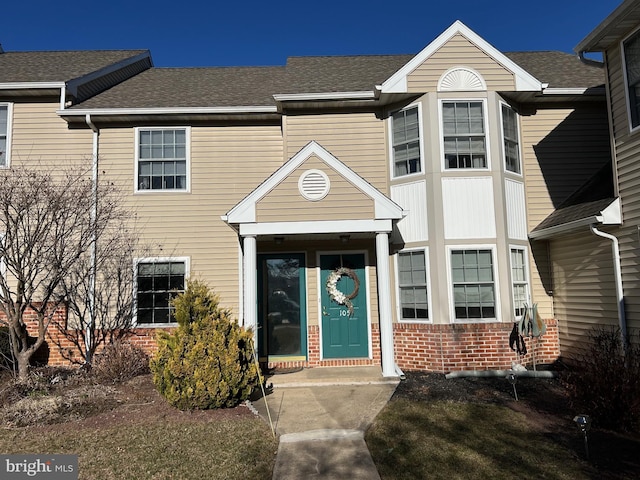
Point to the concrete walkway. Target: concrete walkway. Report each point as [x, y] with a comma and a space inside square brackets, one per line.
[321, 415]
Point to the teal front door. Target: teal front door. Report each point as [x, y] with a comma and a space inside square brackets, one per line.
[345, 332]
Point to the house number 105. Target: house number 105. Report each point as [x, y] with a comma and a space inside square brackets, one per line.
[344, 313]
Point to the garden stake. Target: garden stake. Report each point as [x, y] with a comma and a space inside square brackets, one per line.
[266, 404]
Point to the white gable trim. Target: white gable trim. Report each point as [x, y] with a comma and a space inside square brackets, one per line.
[397, 83]
[245, 211]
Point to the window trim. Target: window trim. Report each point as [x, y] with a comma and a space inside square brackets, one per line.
[187, 189]
[136, 262]
[496, 283]
[392, 163]
[9, 106]
[632, 129]
[504, 150]
[487, 139]
[396, 256]
[527, 281]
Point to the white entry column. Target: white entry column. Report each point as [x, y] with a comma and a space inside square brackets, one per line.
[384, 304]
[250, 281]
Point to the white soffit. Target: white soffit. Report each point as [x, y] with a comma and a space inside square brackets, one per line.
[397, 83]
[245, 211]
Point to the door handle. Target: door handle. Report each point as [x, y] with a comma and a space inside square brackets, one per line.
[324, 312]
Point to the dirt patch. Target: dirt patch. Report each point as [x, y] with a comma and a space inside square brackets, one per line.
[545, 403]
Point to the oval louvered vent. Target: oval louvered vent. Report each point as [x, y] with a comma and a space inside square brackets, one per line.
[314, 185]
[461, 79]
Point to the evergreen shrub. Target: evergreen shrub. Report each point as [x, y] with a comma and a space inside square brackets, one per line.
[207, 362]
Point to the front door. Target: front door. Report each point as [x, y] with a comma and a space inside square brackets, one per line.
[343, 296]
[282, 306]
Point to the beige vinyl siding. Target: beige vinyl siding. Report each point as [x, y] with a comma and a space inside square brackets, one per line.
[585, 295]
[40, 136]
[459, 52]
[627, 151]
[356, 139]
[562, 149]
[343, 202]
[226, 165]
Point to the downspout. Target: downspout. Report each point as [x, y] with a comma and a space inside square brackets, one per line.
[617, 273]
[94, 215]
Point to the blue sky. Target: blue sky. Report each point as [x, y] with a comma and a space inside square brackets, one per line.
[212, 33]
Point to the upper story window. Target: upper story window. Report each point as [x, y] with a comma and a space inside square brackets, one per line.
[412, 284]
[464, 134]
[162, 159]
[474, 288]
[157, 282]
[4, 135]
[511, 141]
[631, 47]
[406, 142]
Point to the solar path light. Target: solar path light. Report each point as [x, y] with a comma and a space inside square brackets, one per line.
[584, 424]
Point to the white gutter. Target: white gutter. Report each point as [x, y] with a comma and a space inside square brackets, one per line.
[574, 91]
[166, 110]
[94, 240]
[292, 97]
[30, 85]
[617, 273]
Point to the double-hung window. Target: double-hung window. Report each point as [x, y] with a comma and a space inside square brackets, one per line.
[631, 48]
[162, 159]
[519, 279]
[412, 283]
[511, 140]
[157, 282]
[464, 134]
[406, 142]
[474, 289]
[4, 135]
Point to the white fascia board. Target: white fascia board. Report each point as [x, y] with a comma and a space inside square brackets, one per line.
[166, 110]
[244, 211]
[293, 97]
[574, 91]
[397, 83]
[612, 215]
[30, 85]
[590, 42]
[321, 227]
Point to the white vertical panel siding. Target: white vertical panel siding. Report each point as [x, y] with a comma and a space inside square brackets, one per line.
[412, 197]
[468, 208]
[516, 210]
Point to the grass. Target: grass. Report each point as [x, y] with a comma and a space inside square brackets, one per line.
[225, 449]
[451, 440]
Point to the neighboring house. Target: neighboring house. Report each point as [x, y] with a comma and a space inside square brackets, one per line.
[353, 210]
[596, 278]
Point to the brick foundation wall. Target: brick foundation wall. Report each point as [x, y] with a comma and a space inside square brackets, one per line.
[480, 346]
[425, 347]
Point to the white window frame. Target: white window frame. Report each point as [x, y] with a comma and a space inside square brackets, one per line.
[526, 282]
[429, 318]
[519, 140]
[626, 83]
[420, 142]
[9, 106]
[487, 139]
[496, 283]
[187, 189]
[136, 262]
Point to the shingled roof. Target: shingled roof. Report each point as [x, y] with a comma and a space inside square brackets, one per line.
[255, 86]
[57, 66]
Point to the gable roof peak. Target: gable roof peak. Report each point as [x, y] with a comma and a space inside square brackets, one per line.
[397, 83]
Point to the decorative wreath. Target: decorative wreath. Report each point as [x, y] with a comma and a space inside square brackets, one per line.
[340, 297]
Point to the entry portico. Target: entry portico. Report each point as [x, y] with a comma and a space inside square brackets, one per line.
[318, 204]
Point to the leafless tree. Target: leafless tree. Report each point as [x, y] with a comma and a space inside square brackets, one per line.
[49, 221]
